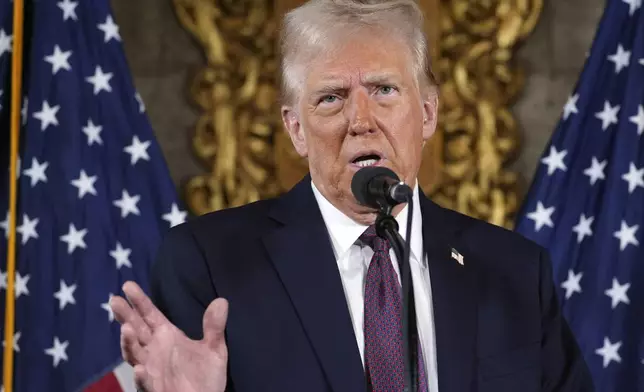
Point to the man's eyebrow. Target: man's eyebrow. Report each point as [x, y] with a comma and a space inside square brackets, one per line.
[333, 85]
[329, 87]
[381, 78]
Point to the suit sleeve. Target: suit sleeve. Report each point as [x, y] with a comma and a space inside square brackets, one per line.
[564, 368]
[181, 285]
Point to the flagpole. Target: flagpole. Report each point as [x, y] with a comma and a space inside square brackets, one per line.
[16, 94]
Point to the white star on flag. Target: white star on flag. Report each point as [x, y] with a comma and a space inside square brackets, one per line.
[85, 184]
[626, 235]
[6, 43]
[175, 216]
[642, 61]
[140, 101]
[633, 5]
[571, 106]
[596, 170]
[36, 172]
[58, 351]
[608, 115]
[69, 9]
[617, 293]
[74, 239]
[110, 29]
[93, 133]
[3, 280]
[127, 204]
[100, 80]
[24, 110]
[108, 308]
[621, 59]
[16, 338]
[638, 119]
[5, 226]
[59, 60]
[20, 287]
[572, 284]
[28, 228]
[137, 150]
[609, 352]
[634, 177]
[555, 161]
[122, 256]
[583, 227]
[47, 115]
[542, 216]
[65, 295]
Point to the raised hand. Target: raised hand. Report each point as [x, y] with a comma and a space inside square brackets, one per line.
[163, 357]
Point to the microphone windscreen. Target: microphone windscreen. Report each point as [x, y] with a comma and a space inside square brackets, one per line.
[361, 180]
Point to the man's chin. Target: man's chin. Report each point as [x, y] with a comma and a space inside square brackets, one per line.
[358, 208]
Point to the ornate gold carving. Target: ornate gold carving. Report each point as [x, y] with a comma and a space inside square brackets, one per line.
[237, 92]
[481, 80]
[240, 138]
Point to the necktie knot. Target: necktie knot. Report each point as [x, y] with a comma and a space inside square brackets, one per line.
[370, 238]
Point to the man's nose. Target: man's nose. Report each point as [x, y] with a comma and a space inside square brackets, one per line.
[359, 114]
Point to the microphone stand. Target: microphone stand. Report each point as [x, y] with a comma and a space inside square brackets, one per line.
[387, 227]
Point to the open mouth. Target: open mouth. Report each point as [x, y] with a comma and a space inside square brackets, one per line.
[366, 160]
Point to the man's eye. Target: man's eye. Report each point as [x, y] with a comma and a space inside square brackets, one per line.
[386, 90]
[329, 99]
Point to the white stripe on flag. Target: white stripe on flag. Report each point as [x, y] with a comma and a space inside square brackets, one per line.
[124, 373]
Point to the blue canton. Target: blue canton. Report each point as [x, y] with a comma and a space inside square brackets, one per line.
[95, 195]
[586, 204]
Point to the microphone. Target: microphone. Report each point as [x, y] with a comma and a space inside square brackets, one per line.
[379, 187]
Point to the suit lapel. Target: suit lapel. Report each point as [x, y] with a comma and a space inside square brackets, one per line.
[302, 254]
[454, 294]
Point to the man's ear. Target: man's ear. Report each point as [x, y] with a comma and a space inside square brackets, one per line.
[291, 121]
[430, 114]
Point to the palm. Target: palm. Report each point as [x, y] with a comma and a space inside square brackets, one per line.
[183, 364]
[164, 358]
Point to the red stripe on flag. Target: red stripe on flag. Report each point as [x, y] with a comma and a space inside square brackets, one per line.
[109, 383]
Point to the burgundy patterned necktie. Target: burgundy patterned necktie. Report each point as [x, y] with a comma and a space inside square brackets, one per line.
[384, 358]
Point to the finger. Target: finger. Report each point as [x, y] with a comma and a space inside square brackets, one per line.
[214, 323]
[131, 349]
[143, 305]
[142, 379]
[124, 314]
[121, 309]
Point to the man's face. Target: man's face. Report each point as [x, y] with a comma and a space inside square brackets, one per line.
[360, 105]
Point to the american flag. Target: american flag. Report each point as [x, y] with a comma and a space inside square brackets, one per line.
[586, 203]
[95, 195]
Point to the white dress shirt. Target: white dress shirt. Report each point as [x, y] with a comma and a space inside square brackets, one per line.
[353, 261]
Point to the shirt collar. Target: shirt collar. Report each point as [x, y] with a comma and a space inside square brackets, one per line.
[344, 231]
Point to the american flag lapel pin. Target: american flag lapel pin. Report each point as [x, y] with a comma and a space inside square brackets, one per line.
[458, 257]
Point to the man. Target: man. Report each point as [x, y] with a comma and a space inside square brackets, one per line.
[299, 294]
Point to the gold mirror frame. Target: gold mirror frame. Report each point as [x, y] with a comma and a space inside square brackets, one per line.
[239, 137]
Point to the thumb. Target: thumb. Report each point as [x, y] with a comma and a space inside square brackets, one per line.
[214, 322]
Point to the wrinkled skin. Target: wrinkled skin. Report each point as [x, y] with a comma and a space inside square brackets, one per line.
[361, 98]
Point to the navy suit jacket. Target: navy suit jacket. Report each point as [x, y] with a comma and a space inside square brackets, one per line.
[497, 321]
